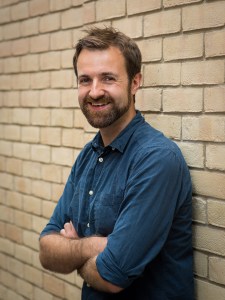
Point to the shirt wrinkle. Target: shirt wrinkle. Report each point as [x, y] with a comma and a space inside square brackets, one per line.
[126, 193]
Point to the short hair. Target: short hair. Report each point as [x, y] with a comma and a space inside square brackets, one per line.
[103, 38]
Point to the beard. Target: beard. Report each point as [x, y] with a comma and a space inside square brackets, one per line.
[104, 118]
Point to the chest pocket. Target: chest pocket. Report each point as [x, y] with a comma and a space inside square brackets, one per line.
[104, 213]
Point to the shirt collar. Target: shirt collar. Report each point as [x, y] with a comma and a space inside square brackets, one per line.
[122, 139]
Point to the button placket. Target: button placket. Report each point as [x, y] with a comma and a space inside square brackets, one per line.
[90, 194]
[98, 168]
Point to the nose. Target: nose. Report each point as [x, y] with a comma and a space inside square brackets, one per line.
[96, 89]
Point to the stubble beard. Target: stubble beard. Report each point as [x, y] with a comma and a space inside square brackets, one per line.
[103, 119]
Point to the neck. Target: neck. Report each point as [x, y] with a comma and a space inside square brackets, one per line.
[109, 133]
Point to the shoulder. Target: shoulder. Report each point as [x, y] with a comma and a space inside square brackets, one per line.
[149, 150]
[147, 139]
[85, 151]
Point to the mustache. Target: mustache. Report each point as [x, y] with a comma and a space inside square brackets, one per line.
[103, 99]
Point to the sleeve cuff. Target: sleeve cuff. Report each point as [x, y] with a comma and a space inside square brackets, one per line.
[111, 272]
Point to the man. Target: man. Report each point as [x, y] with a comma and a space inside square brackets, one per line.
[124, 219]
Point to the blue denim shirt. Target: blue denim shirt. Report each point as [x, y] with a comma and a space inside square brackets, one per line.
[137, 192]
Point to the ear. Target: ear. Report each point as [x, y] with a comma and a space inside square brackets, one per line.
[136, 83]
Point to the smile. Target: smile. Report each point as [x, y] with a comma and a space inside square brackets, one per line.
[98, 106]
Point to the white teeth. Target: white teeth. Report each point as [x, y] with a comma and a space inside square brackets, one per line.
[98, 104]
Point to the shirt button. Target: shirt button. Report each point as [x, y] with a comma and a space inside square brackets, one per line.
[91, 193]
[100, 159]
[113, 149]
[88, 225]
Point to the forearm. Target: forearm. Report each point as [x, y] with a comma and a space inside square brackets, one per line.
[64, 255]
[92, 277]
[60, 254]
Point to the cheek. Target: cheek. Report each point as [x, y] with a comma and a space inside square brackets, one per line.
[118, 91]
[81, 94]
[79, 97]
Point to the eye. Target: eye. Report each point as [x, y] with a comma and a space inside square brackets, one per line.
[84, 80]
[109, 79]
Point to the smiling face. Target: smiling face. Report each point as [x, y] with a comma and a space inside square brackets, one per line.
[104, 92]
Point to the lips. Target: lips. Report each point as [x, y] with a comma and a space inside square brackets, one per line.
[98, 106]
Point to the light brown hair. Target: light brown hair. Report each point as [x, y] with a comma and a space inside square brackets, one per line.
[101, 39]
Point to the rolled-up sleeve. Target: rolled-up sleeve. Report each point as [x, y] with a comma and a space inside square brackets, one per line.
[145, 217]
[61, 212]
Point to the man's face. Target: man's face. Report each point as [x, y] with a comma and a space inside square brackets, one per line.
[104, 92]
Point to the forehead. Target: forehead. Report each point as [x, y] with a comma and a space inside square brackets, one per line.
[107, 60]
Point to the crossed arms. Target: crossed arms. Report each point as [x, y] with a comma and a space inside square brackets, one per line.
[66, 252]
[140, 231]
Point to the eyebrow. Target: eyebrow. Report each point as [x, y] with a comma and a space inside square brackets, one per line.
[108, 73]
[101, 74]
[83, 75]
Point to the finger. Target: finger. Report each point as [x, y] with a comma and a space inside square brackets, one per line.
[63, 232]
[72, 227]
[67, 226]
[74, 230]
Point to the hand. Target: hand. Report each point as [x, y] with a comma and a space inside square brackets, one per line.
[69, 231]
[97, 244]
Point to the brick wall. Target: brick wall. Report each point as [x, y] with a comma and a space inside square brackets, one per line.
[42, 129]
